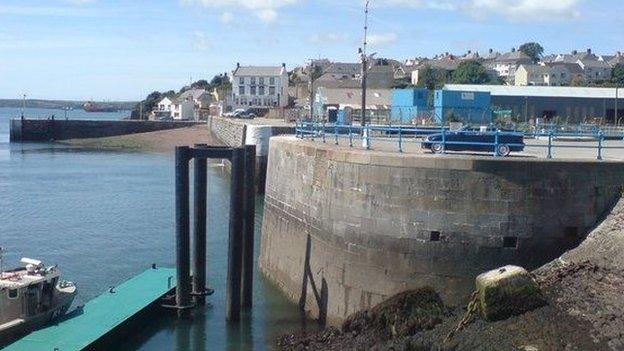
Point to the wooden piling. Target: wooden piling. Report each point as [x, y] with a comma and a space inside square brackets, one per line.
[183, 294]
[233, 293]
[199, 228]
[249, 227]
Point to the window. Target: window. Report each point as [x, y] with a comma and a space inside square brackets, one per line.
[253, 90]
[271, 90]
[241, 80]
[261, 80]
[261, 90]
[510, 242]
[253, 80]
[13, 293]
[272, 81]
[241, 90]
[435, 236]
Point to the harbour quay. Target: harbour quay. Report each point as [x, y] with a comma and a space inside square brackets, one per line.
[346, 228]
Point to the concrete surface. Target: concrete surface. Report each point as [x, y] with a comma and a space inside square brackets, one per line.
[346, 228]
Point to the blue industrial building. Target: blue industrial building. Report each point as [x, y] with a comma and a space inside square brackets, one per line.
[468, 107]
[408, 104]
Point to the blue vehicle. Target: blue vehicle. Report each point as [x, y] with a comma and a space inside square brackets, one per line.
[475, 140]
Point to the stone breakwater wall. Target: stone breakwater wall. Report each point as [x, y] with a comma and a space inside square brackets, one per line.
[45, 130]
[345, 229]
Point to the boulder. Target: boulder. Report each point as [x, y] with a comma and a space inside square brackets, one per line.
[506, 292]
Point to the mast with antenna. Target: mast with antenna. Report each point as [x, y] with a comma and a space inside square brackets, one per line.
[364, 64]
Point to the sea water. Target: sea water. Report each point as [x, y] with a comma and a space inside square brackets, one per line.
[104, 216]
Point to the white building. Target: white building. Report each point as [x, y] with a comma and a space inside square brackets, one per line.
[174, 108]
[260, 87]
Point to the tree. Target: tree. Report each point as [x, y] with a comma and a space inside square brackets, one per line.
[433, 78]
[200, 84]
[219, 80]
[532, 50]
[617, 74]
[578, 81]
[470, 72]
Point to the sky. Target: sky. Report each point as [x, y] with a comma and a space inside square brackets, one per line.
[124, 49]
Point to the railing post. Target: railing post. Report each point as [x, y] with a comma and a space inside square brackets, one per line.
[336, 134]
[323, 132]
[350, 137]
[550, 137]
[400, 141]
[496, 143]
[367, 137]
[600, 139]
[443, 140]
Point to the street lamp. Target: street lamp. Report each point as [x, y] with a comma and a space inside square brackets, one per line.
[23, 105]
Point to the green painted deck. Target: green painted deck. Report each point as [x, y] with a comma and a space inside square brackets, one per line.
[101, 315]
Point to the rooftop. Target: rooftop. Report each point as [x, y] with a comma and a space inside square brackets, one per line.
[258, 71]
[506, 90]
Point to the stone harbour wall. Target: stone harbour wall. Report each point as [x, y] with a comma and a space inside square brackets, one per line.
[345, 229]
[45, 130]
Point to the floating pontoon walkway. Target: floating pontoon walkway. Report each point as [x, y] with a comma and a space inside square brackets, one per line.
[101, 316]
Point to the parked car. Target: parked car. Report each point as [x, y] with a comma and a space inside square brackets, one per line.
[243, 113]
[475, 139]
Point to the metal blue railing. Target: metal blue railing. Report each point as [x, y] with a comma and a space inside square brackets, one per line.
[389, 133]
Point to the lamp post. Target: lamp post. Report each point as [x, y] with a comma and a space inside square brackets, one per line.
[617, 115]
[364, 64]
[23, 105]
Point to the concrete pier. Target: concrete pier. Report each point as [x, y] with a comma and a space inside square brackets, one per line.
[344, 229]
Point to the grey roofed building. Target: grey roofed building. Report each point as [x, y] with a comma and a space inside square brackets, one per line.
[577, 55]
[574, 68]
[195, 94]
[514, 56]
[447, 64]
[263, 71]
[375, 98]
[349, 69]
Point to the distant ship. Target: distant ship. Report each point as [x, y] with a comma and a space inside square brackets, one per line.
[97, 107]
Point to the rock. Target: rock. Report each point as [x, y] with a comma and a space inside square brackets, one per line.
[507, 292]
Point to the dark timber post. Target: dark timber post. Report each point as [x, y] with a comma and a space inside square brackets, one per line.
[183, 294]
[249, 226]
[199, 228]
[233, 293]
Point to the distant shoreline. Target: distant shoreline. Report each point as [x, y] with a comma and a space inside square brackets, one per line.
[60, 104]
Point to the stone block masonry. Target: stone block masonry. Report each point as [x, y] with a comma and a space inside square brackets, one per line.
[42, 130]
[345, 229]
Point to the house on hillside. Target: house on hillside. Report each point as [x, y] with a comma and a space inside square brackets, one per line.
[200, 97]
[595, 70]
[575, 56]
[259, 87]
[174, 108]
[542, 75]
[506, 64]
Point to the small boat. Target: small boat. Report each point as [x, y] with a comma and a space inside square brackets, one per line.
[31, 297]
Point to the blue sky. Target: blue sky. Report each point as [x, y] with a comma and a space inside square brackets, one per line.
[124, 49]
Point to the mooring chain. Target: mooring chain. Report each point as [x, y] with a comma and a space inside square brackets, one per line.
[471, 312]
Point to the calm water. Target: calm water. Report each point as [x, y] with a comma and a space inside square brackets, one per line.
[106, 216]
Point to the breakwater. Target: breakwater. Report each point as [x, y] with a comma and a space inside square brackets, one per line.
[344, 229]
[44, 130]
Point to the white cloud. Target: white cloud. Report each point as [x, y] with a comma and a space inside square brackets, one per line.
[382, 39]
[267, 15]
[265, 10]
[227, 17]
[200, 41]
[328, 37]
[80, 2]
[526, 10]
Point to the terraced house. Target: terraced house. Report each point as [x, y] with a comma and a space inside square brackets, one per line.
[260, 87]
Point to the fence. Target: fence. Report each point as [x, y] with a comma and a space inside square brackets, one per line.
[441, 139]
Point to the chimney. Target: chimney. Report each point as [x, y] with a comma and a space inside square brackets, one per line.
[574, 52]
[513, 49]
[619, 53]
[469, 51]
[237, 64]
[491, 51]
[589, 51]
[283, 65]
